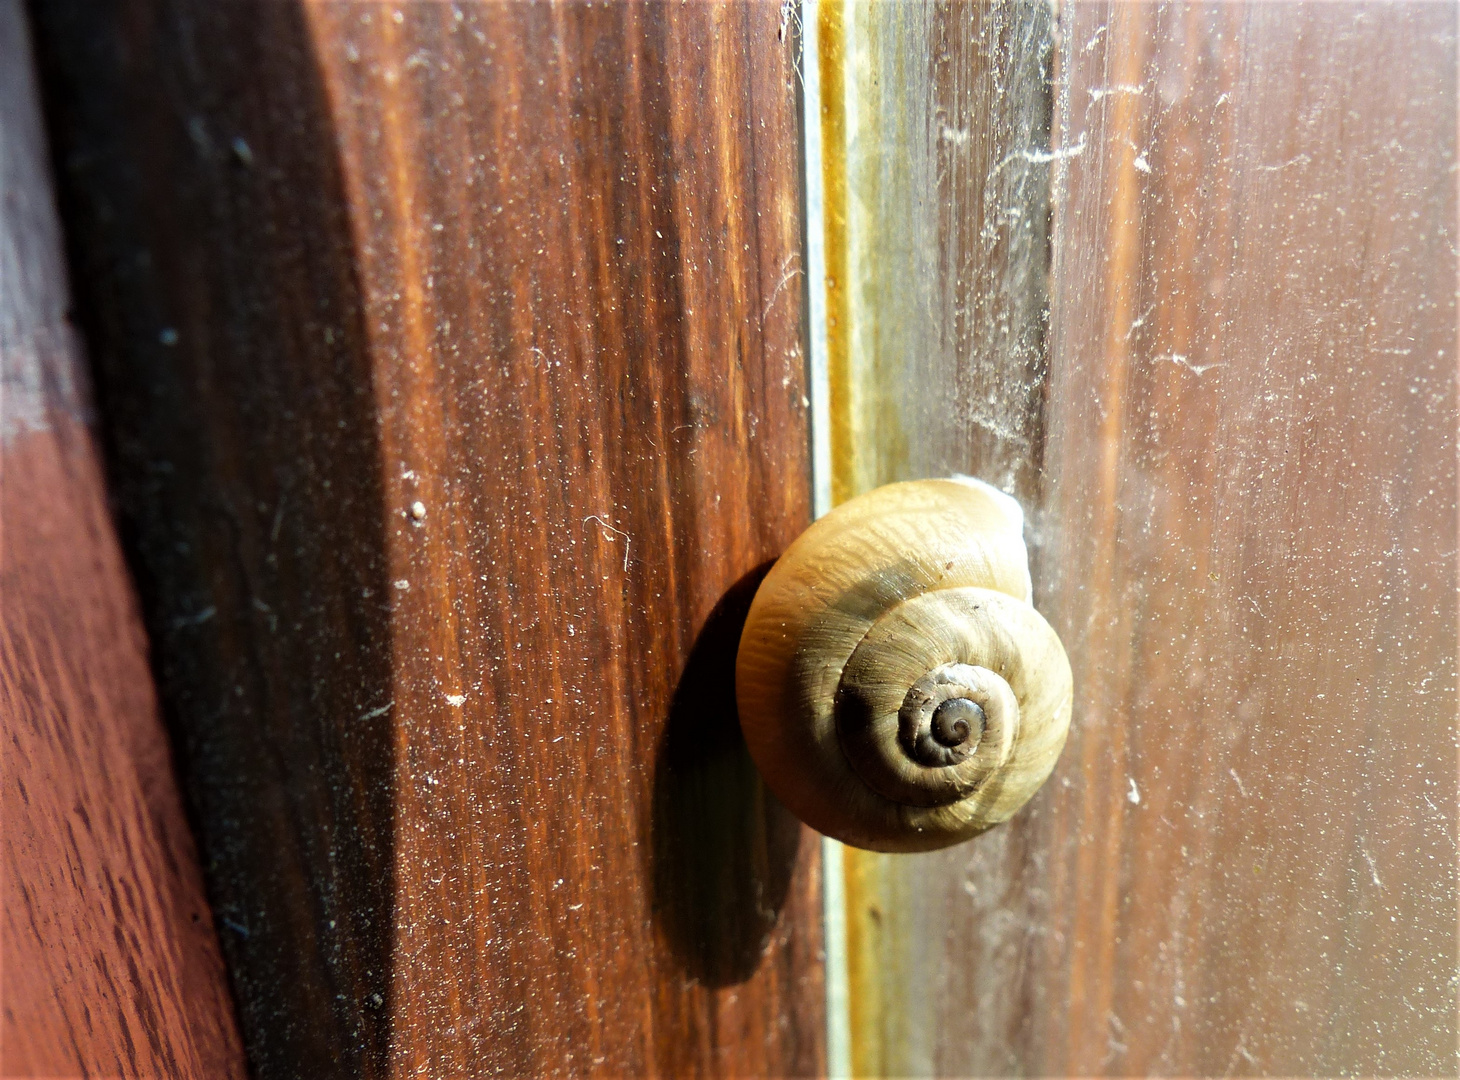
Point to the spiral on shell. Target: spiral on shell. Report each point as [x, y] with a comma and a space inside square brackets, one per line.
[896, 687]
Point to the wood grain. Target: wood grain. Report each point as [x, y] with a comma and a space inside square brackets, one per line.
[468, 777]
[1245, 862]
[111, 964]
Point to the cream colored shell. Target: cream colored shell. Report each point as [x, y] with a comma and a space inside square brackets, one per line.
[895, 602]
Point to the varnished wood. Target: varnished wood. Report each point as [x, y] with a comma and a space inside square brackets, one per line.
[111, 964]
[468, 777]
[1245, 534]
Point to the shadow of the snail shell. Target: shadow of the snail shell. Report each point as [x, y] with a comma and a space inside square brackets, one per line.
[895, 686]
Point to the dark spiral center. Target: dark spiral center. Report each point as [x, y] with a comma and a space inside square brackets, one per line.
[955, 720]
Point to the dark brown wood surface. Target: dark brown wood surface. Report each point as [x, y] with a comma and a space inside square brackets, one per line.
[111, 965]
[452, 370]
[1246, 537]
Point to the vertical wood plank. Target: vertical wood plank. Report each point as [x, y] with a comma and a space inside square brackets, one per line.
[453, 368]
[110, 962]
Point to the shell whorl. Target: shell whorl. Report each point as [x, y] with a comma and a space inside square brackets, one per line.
[895, 687]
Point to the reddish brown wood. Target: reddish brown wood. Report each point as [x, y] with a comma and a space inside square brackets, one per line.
[469, 778]
[110, 963]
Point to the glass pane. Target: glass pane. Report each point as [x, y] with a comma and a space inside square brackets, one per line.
[1236, 446]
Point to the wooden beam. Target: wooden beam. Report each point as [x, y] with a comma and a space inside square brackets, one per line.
[452, 359]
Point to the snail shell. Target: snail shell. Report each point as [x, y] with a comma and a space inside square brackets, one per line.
[896, 687]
